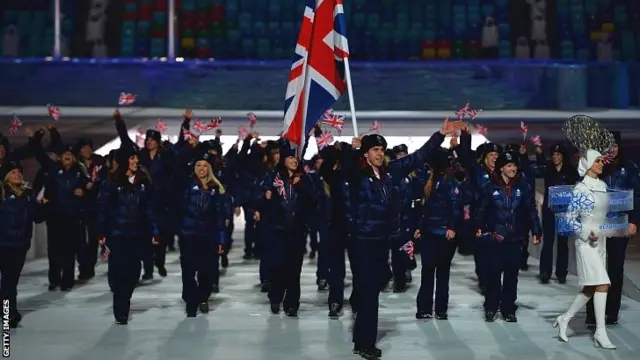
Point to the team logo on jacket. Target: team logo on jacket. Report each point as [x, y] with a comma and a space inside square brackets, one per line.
[456, 191]
[486, 176]
[518, 192]
[496, 193]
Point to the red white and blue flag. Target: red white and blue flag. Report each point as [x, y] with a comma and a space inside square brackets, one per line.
[317, 77]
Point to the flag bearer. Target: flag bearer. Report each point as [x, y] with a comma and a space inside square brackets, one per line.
[204, 216]
[127, 225]
[370, 185]
[18, 206]
[285, 207]
[507, 203]
[442, 214]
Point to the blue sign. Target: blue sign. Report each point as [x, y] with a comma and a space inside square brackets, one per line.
[563, 199]
[568, 224]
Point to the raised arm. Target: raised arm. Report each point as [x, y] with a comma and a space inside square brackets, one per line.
[121, 129]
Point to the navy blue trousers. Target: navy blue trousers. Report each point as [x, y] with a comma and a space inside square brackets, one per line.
[546, 255]
[338, 243]
[436, 253]
[371, 266]
[199, 264]
[249, 232]
[502, 267]
[125, 263]
[321, 229]
[11, 264]
[286, 253]
[65, 242]
[89, 252]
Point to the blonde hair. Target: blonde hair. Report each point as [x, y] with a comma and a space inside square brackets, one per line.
[18, 190]
[211, 178]
[428, 187]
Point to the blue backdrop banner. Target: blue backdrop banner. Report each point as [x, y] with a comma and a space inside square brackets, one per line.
[490, 85]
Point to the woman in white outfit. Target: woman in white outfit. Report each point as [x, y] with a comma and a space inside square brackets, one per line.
[591, 251]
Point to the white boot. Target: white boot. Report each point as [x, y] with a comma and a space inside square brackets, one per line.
[562, 321]
[600, 338]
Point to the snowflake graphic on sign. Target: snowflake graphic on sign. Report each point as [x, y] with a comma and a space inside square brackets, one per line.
[581, 202]
[567, 224]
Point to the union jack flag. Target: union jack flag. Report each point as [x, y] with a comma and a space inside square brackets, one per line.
[467, 212]
[253, 119]
[126, 99]
[462, 113]
[54, 112]
[15, 125]
[212, 124]
[523, 130]
[607, 158]
[481, 129]
[334, 120]
[279, 184]
[104, 253]
[198, 126]
[188, 135]
[317, 77]
[160, 126]
[325, 139]
[243, 133]
[375, 128]
[95, 173]
[535, 140]
[474, 113]
[409, 249]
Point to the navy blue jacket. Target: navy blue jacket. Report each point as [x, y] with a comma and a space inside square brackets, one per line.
[508, 210]
[625, 175]
[60, 185]
[567, 175]
[371, 208]
[443, 210]
[290, 205]
[320, 198]
[338, 185]
[17, 215]
[203, 212]
[96, 171]
[126, 209]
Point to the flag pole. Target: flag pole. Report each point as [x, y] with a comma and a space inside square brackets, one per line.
[352, 104]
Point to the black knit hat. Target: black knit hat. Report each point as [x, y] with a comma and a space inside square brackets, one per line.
[82, 142]
[9, 167]
[154, 134]
[124, 153]
[491, 147]
[402, 148]
[505, 158]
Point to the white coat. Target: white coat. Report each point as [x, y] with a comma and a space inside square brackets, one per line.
[591, 256]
